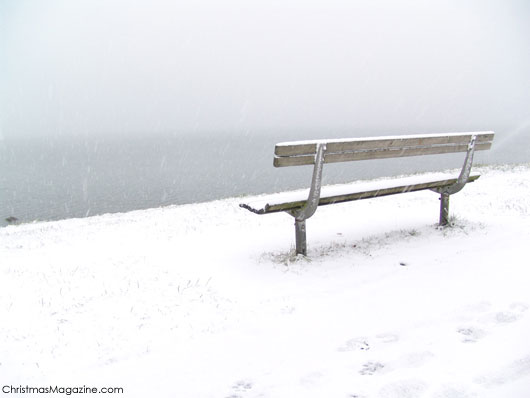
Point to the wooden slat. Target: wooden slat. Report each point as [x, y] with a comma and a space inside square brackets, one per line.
[326, 200]
[356, 144]
[375, 154]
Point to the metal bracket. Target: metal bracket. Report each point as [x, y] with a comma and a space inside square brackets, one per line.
[314, 192]
[309, 208]
[445, 192]
[464, 173]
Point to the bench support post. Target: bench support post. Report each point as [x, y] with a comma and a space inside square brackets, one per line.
[445, 192]
[444, 209]
[301, 245]
[309, 208]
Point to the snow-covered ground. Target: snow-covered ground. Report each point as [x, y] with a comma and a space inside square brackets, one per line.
[206, 300]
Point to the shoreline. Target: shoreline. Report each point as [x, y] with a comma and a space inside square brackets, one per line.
[489, 167]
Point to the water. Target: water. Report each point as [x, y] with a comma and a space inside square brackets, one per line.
[51, 178]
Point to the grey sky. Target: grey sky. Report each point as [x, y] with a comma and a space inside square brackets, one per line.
[89, 66]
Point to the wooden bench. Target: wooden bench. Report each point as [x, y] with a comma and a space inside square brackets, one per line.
[302, 206]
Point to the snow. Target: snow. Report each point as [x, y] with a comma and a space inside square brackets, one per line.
[263, 202]
[207, 300]
[388, 137]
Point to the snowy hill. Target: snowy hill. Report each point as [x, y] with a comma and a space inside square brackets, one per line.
[207, 300]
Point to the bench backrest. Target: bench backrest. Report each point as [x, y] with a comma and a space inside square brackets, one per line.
[344, 150]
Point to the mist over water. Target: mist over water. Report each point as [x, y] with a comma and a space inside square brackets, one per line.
[50, 179]
[122, 105]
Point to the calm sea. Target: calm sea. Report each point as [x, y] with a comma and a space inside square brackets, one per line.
[51, 178]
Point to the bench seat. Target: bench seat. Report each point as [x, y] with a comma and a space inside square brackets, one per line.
[353, 191]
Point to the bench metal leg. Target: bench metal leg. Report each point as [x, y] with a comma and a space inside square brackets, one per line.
[444, 209]
[301, 246]
[310, 206]
[458, 185]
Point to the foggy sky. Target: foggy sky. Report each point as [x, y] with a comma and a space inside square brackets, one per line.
[92, 67]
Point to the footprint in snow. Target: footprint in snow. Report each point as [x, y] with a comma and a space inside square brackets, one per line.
[409, 360]
[471, 334]
[358, 344]
[369, 368]
[514, 312]
[242, 386]
[364, 344]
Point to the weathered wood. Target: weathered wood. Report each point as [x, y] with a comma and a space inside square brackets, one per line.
[376, 154]
[331, 199]
[361, 144]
